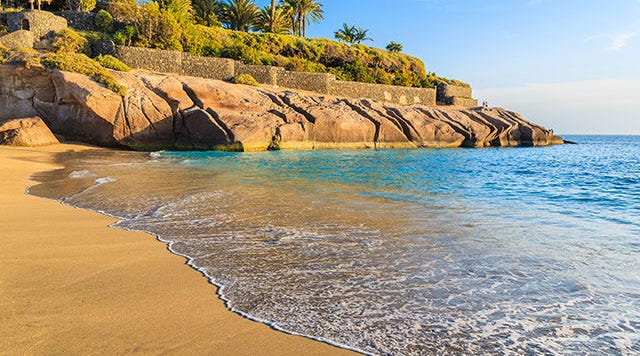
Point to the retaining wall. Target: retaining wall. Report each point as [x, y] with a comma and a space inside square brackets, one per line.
[79, 20]
[262, 74]
[150, 59]
[387, 93]
[226, 69]
[464, 102]
[41, 23]
[207, 67]
[317, 82]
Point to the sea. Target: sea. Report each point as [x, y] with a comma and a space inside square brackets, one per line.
[532, 250]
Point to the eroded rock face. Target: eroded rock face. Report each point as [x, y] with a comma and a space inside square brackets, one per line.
[27, 132]
[169, 111]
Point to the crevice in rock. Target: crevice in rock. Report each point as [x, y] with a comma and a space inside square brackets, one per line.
[299, 110]
[469, 137]
[494, 129]
[214, 115]
[126, 116]
[376, 123]
[146, 116]
[174, 110]
[279, 114]
[273, 98]
[395, 116]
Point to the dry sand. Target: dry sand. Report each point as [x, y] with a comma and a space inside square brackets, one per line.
[70, 284]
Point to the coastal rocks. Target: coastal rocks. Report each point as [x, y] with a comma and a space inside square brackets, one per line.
[27, 132]
[178, 112]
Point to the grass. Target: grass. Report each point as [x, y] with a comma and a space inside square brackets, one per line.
[80, 63]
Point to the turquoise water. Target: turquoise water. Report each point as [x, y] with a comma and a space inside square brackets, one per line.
[526, 250]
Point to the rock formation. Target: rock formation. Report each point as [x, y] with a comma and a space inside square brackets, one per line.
[28, 132]
[170, 111]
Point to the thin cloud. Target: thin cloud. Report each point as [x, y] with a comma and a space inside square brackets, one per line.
[615, 42]
[621, 41]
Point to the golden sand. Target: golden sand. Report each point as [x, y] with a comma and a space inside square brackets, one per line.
[71, 284]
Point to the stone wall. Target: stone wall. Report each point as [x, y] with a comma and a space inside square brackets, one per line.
[317, 82]
[455, 95]
[207, 67]
[386, 93]
[453, 90]
[18, 39]
[464, 102]
[79, 20]
[226, 69]
[150, 59]
[41, 23]
[262, 74]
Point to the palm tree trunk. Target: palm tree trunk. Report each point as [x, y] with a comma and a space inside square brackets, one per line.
[273, 16]
[304, 26]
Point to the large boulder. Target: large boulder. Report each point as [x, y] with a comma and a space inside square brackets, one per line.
[168, 111]
[27, 132]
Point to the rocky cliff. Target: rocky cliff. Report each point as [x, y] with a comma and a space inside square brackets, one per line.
[169, 111]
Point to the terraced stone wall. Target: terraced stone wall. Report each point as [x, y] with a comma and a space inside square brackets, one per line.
[385, 93]
[226, 69]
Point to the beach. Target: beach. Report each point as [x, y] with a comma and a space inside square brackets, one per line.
[71, 284]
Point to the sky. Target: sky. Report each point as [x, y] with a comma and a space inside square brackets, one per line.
[570, 65]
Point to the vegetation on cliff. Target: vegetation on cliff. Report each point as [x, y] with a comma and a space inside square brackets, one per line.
[80, 63]
[239, 30]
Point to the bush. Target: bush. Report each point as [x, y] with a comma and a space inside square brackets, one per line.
[125, 36]
[27, 57]
[3, 52]
[87, 5]
[104, 21]
[111, 62]
[246, 79]
[70, 41]
[80, 63]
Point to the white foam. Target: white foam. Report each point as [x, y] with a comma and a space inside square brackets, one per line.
[81, 174]
[156, 154]
[104, 180]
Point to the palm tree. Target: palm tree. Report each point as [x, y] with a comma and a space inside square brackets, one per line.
[240, 15]
[277, 21]
[302, 12]
[361, 35]
[346, 33]
[180, 9]
[207, 11]
[394, 47]
[352, 34]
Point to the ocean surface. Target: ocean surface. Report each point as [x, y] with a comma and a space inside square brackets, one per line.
[403, 252]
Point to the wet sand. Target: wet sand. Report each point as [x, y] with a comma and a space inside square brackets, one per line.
[71, 284]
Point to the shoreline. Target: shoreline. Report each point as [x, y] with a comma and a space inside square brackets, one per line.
[73, 284]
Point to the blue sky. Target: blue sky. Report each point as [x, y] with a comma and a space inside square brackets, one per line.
[573, 65]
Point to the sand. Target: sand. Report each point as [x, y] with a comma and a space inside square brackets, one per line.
[71, 284]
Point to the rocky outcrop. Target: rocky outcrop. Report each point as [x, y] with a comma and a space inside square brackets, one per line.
[27, 132]
[169, 111]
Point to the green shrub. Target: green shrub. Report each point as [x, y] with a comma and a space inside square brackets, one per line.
[111, 62]
[27, 57]
[246, 79]
[125, 36]
[104, 21]
[70, 41]
[87, 5]
[80, 63]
